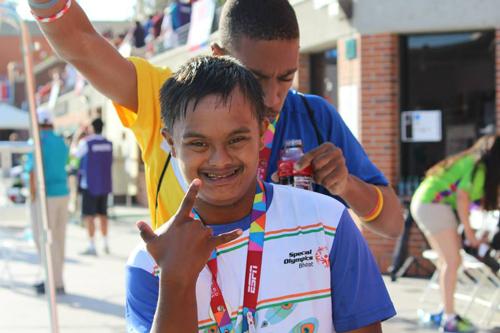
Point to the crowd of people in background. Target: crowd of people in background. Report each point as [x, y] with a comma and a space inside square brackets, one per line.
[161, 31]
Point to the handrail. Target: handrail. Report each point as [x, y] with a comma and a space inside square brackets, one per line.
[12, 17]
[16, 147]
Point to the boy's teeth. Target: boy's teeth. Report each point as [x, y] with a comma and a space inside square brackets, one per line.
[210, 175]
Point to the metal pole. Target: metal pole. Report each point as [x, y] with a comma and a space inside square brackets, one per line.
[45, 234]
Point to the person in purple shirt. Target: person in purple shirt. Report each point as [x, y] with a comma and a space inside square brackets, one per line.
[97, 158]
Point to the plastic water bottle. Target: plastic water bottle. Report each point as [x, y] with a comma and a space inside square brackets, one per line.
[416, 183]
[408, 185]
[401, 186]
[292, 151]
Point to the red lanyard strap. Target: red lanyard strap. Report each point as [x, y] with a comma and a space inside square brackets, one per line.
[252, 274]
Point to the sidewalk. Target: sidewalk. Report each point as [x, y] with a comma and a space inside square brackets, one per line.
[95, 286]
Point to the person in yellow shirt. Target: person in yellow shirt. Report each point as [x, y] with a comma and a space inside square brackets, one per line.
[264, 36]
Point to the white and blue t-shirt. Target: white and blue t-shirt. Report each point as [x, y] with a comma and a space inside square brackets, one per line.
[317, 272]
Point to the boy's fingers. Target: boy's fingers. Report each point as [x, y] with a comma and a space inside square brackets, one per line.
[189, 199]
[147, 234]
[225, 238]
[308, 157]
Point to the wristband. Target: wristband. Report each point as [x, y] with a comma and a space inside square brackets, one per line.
[53, 17]
[378, 207]
[44, 5]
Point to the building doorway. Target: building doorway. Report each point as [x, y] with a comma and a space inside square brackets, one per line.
[453, 73]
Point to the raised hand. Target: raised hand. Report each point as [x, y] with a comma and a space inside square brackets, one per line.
[328, 165]
[183, 246]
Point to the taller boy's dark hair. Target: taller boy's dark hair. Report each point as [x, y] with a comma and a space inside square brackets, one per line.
[257, 20]
[97, 125]
[208, 75]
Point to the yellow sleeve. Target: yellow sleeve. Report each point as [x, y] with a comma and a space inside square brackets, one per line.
[146, 126]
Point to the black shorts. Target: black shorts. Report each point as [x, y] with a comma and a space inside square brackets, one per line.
[94, 204]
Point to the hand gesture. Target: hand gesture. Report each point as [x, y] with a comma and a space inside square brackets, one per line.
[182, 248]
[328, 165]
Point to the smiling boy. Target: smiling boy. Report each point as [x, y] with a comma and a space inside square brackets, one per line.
[264, 36]
[286, 260]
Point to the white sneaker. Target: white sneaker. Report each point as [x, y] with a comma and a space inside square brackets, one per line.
[90, 251]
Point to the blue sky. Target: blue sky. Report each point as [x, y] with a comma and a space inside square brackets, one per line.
[98, 10]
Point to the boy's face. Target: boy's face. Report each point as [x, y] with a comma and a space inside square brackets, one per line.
[274, 63]
[219, 144]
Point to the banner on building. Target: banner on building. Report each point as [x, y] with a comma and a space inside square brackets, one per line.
[6, 92]
[202, 18]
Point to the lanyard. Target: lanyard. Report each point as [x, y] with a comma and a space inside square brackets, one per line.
[218, 306]
[265, 153]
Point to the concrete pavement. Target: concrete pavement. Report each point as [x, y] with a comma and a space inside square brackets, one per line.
[95, 286]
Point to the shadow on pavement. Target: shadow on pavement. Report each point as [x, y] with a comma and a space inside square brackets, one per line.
[33, 259]
[97, 305]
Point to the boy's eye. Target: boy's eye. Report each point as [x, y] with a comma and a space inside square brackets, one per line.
[287, 79]
[236, 140]
[197, 144]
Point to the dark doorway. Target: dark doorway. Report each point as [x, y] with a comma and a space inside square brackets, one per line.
[453, 73]
[324, 75]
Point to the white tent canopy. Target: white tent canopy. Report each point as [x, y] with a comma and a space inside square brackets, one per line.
[13, 118]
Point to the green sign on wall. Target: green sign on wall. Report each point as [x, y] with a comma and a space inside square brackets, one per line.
[350, 49]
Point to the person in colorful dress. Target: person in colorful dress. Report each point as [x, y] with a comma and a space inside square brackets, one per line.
[442, 202]
[305, 263]
[264, 35]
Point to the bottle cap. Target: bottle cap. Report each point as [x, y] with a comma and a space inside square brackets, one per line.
[295, 143]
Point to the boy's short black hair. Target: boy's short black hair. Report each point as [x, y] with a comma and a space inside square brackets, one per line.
[208, 75]
[257, 20]
[97, 125]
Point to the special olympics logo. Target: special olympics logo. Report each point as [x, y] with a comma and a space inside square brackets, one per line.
[322, 257]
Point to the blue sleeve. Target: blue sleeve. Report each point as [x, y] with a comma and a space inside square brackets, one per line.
[30, 160]
[334, 129]
[141, 299]
[30, 163]
[359, 295]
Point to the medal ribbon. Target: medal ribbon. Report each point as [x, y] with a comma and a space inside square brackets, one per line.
[253, 270]
[265, 153]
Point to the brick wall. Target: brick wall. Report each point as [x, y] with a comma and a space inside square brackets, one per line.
[379, 114]
[376, 72]
[497, 54]
[348, 70]
[301, 80]
[11, 51]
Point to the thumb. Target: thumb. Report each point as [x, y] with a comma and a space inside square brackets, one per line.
[225, 238]
[275, 177]
[147, 234]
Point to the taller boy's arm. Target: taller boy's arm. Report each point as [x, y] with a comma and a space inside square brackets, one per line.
[76, 41]
[362, 197]
[329, 166]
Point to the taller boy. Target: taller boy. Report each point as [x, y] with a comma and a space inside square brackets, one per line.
[264, 35]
